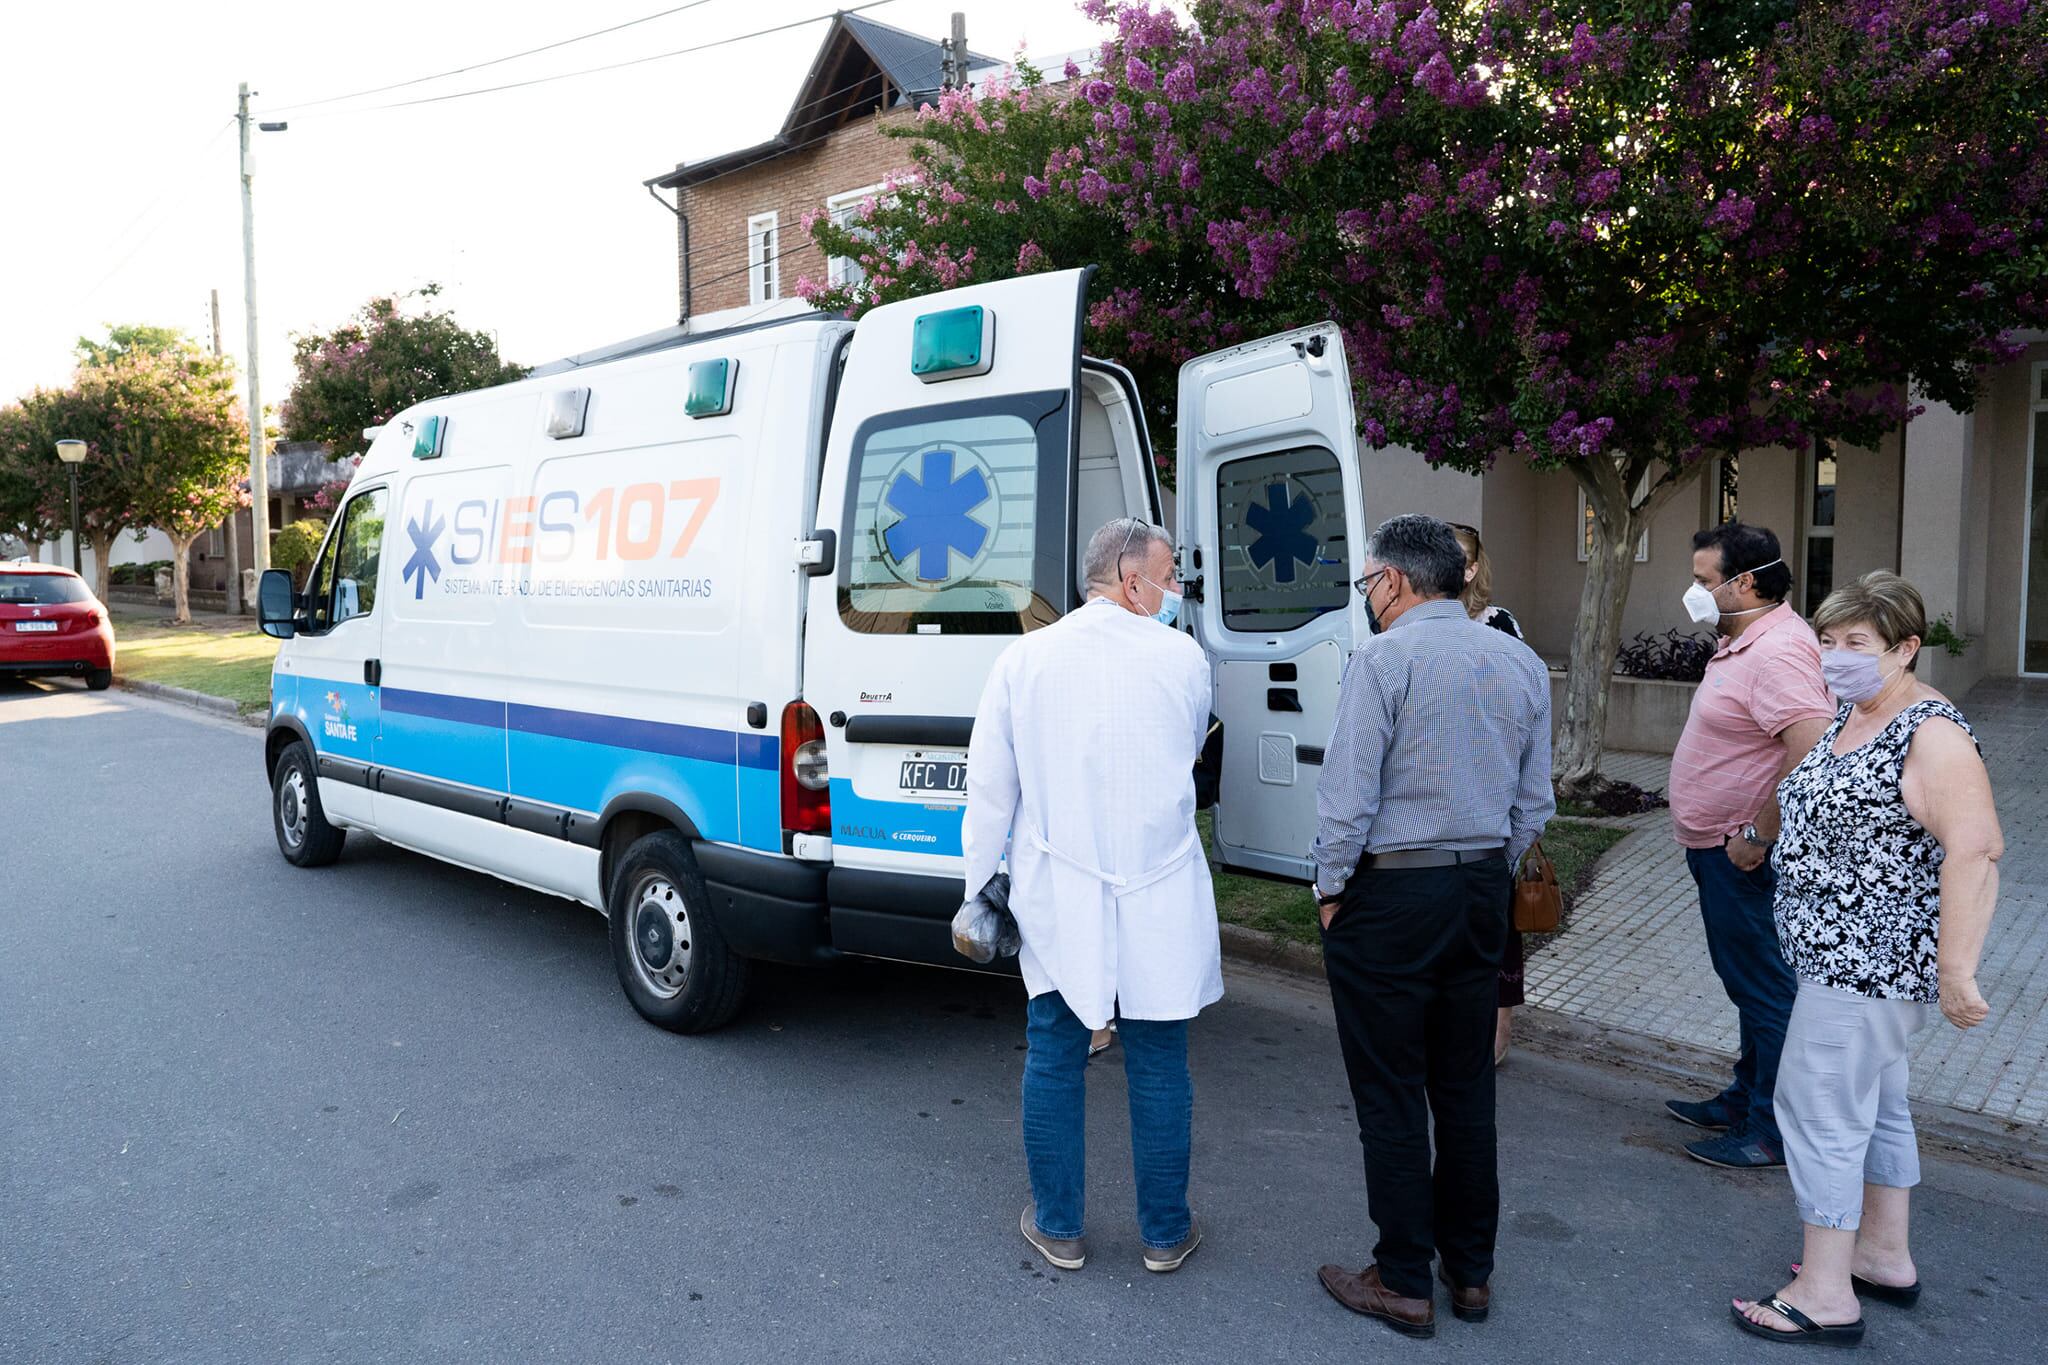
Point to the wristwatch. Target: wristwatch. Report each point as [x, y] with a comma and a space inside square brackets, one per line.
[1750, 836]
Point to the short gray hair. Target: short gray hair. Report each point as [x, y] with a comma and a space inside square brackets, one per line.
[1423, 548]
[1117, 539]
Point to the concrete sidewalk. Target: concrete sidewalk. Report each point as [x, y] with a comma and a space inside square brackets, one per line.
[1634, 959]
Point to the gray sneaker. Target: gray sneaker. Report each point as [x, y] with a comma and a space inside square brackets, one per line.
[1063, 1253]
[1166, 1260]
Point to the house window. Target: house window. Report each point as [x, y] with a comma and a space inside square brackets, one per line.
[1586, 524]
[1726, 508]
[1820, 524]
[2034, 575]
[764, 274]
[844, 211]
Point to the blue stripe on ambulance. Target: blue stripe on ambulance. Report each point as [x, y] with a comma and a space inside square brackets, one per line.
[902, 826]
[726, 782]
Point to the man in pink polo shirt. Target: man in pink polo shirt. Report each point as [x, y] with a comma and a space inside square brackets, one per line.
[1759, 710]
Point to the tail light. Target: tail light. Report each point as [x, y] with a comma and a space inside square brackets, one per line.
[87, 620]
[806, 782]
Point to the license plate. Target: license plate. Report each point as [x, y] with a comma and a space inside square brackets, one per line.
[935, 774]
[35, 625]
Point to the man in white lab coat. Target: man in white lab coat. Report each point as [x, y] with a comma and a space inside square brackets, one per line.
[1082, 768]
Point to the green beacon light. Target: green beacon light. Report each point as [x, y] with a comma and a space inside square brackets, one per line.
[954, 344]
[427, 437]
[711, 386]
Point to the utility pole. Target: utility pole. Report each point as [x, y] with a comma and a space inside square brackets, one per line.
[234, 548]
[259, 475]
[955, 77]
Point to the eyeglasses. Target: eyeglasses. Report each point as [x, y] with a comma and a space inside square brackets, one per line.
[1365, 584]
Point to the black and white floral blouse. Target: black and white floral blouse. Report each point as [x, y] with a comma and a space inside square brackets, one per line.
[1859, 879]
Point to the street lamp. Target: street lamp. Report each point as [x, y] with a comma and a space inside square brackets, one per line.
[72, 453]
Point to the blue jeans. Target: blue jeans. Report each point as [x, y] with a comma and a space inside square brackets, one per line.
[1742, 940]
[1055, 1108]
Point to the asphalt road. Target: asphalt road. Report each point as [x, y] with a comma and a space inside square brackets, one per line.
[392, 1110]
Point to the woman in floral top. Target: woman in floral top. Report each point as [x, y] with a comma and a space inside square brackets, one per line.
[1887, 876]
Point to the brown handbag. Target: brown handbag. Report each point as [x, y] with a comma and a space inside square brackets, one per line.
[1538, 902]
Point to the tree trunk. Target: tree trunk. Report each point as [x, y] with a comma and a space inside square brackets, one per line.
[181, 579]
[1575, 766]
[102, 543]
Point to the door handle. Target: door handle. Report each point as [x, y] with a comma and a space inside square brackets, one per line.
[1283, 699]
[373, 672]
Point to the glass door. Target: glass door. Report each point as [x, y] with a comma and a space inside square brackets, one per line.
[1819, 575]
[2034, 583]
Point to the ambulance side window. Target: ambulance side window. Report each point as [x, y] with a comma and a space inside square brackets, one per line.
[956, 519]
[343, 584]
[1280, 518]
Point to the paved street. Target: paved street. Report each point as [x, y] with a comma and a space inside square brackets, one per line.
[393, 1110]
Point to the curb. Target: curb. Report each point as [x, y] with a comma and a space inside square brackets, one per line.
[1982, 1139]
[184, 696]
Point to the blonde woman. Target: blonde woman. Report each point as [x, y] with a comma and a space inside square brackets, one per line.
[1887, 878]
[1477, 599]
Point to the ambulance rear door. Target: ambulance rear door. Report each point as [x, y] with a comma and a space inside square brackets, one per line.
[1271, 531]
[945, 516]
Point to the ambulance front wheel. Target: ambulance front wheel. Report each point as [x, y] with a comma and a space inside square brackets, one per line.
[303, 834]
[671, 958]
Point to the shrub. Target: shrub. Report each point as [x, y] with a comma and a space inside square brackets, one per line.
[293, 548]
[1673, 656]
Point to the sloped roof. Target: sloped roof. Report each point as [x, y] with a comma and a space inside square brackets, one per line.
[861, 66]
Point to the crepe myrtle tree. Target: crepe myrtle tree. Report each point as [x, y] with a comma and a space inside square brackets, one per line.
[171, 424]
[1615, 239]
[380, 362]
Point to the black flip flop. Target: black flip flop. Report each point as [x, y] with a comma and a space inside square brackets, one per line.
[1807, 1332]
[1898, 1295]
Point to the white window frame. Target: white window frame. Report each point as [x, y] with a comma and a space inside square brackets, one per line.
[1809, 472]
[841, 271]
[764, 268]
[1585, 524]
[2037, 403]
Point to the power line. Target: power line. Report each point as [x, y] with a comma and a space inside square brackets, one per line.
[179, 185]
[609, 66]
[495, 61]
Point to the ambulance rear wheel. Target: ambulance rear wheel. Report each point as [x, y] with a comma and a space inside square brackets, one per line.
[303, 834]
[671, 959]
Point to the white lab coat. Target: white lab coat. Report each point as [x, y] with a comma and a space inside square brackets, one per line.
[1082, 768]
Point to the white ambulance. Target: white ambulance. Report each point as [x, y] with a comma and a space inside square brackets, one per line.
[694, 632]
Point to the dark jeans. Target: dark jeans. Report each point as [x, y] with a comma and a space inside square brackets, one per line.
[1162, 1111]
[1413, 956]
[1742, 940]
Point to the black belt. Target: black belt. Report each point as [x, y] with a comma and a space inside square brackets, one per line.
[1434, 857]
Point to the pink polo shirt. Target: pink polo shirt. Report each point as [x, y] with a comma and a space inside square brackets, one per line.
[1727, 761]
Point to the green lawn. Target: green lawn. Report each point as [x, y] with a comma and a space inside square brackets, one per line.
[221, 663]
[1288, 911]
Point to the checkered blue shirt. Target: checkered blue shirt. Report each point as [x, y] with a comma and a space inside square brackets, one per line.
[1442, 741]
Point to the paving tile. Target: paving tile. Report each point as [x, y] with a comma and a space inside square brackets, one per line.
[1634, 956]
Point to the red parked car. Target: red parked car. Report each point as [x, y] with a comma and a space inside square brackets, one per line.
[51, 623]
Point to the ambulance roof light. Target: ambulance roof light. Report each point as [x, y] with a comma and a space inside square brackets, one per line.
[563, 416]
[954, 344]
[429, 436]
[711, 387]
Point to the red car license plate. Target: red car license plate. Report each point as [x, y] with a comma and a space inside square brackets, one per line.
[35, 625]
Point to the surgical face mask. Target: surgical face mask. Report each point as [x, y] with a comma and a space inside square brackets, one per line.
[1703, 604]
[1365, 586]
[1169, 604]
[1852, 675]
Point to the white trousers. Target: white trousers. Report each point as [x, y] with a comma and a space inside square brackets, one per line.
[1841, 1100]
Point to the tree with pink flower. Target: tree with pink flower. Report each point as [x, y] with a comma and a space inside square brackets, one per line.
[1615, 239]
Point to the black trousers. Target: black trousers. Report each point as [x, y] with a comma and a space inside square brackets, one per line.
[1413, 956]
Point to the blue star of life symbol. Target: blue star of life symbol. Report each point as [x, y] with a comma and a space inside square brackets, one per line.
[423, 562]
[1283, 536]
[934, 508]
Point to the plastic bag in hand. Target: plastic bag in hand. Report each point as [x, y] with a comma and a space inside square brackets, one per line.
[983, 928]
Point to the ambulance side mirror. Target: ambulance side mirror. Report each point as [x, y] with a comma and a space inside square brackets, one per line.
[276, 604]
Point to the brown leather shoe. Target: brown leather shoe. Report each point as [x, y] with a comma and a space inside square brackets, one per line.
[1467, 1305]
[1362, 1292]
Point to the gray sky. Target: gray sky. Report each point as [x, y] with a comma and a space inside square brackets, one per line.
[525, 205]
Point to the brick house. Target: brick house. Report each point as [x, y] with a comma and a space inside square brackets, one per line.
[740, 239]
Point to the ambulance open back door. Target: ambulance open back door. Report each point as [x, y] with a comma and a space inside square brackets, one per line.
[1272, 529]
[948, 483]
